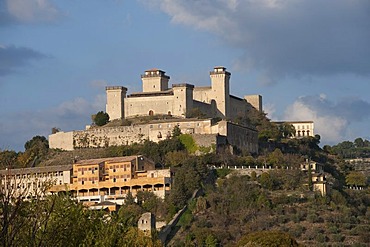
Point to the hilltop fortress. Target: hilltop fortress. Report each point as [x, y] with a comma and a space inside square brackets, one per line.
[180, 100]
[182, 104]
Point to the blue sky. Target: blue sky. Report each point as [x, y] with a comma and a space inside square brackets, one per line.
[309, 59]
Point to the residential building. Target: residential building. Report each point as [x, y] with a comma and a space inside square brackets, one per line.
[95, 182]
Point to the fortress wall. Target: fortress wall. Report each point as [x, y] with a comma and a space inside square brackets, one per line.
[202, 94]
[238, 108]
[255, 101]
[112, 136]
[205, 140]
[242, 137]
[140, 106]
[203, 131]
[162, 130]
[62, 140]
[208, 109]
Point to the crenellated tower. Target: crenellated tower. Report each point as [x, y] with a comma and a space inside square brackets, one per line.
[183, 99]
[220, 79]
[155, 80]
[115, 102]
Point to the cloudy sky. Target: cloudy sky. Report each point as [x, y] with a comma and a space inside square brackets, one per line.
[309, 59]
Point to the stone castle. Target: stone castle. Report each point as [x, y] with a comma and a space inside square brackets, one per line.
[180, 100]
[179, 103]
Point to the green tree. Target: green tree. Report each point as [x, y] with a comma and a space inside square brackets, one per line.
[211, 241]
[175, 158]
[356, 179]
[359, 142]
[287, 130]
[35, 150]
[276, 157]
[189, 143]
[266, 180]
[310, 184]
[37, 141]
[101, 118]
[176, 131]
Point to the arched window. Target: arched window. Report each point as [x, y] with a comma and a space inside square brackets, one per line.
[308, 133]
[151, 113]
[169, 113]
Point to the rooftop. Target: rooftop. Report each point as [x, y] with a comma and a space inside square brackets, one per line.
[32, 170]
[109, 160]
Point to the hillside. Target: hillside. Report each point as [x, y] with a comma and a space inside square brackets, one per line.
[237, 206]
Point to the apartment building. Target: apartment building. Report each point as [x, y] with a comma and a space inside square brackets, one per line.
[111, 179]
[93, 181]
[35, 181]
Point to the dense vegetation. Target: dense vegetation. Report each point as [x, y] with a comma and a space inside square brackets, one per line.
[233, 209]
[61, 221]
[239, 205]
[359, 148]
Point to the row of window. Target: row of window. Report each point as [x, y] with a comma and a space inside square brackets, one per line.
[302, 127]
[39, 175]
[170, 125]
[28, 185]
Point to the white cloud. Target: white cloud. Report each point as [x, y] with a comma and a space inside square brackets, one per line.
[284, 37]
[330, 128]
[332, 120]
[270, 110]
[30, 11]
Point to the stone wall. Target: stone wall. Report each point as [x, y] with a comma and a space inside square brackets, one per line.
[62, 140]
[205, 140]
[110, 136]
[255, 101]
[204, 132]
[244, 138]
[140, 106]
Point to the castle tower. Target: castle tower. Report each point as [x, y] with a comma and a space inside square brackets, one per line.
[146, 223]
[155, 80]
[220, 79]
[115, 102]
[255, 101]
[183, 99]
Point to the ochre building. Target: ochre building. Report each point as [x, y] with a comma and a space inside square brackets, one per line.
[92, 182]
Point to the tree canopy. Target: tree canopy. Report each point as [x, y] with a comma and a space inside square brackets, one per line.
[101, 118]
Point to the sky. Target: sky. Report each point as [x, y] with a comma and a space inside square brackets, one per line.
[309, 59]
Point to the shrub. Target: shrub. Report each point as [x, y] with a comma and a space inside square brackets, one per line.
[297, 231]
[321, 238]
[338, 237]
[189, 143]
[267, 238]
